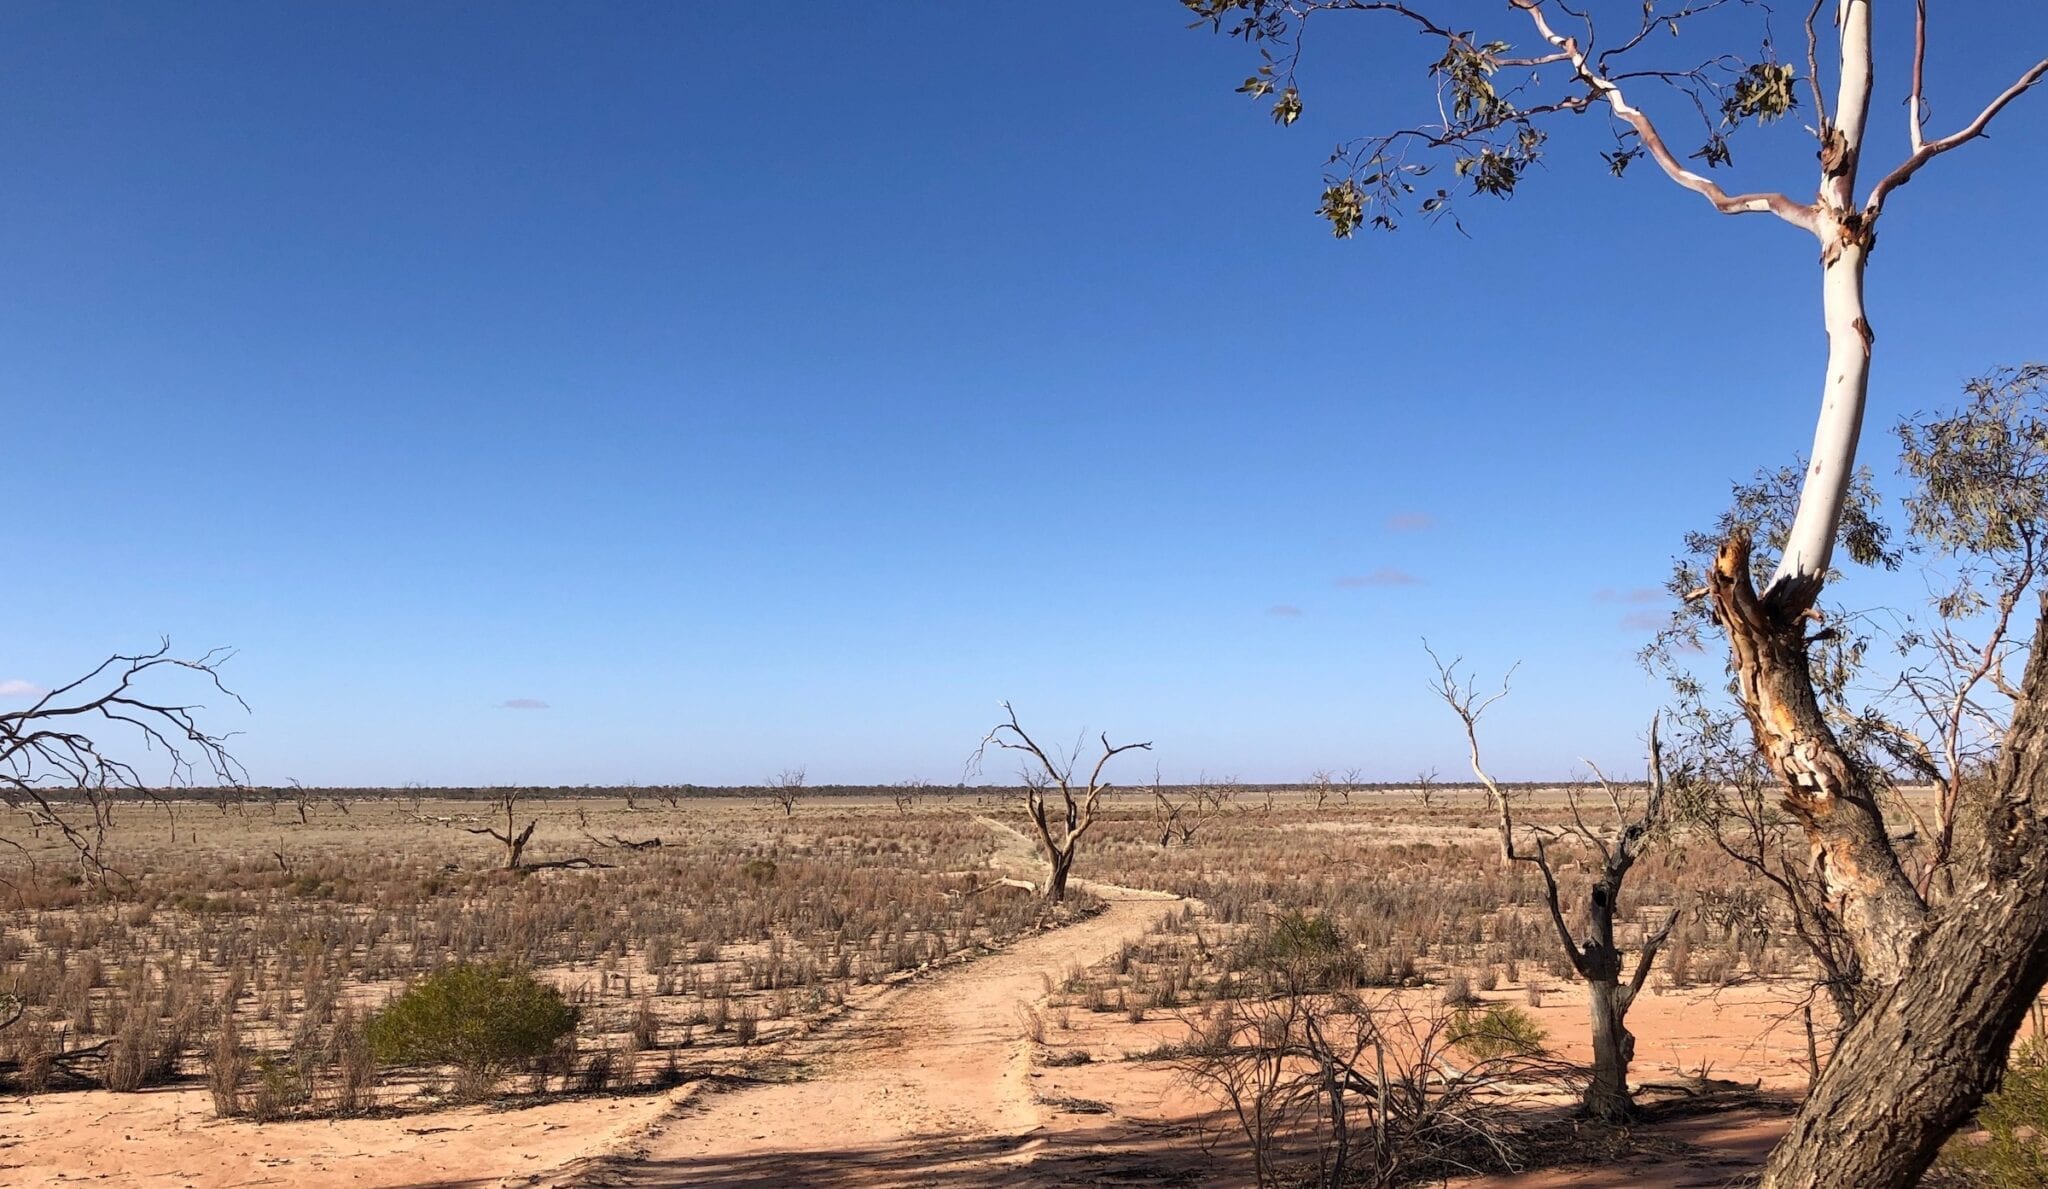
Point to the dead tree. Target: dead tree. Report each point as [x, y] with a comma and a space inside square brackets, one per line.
[906, 795]
[1321, 783]
[59, 764]
[786, 789]
[1183, 817]
[1043, 774]
[1597, 959]
[302, 798]
[1425, 788]
[514, 839]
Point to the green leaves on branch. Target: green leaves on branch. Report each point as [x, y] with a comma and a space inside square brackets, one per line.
[1344, 206]
[1468, 70]
[1496, 170]
[1287, 108]
[1763, 93]
[1981, 484]
[1488, 101]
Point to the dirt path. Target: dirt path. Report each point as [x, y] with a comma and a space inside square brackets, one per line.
[933, 1088]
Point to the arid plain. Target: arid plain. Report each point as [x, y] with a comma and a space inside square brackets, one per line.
[839, 993]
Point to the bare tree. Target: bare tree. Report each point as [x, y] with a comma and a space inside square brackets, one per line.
[302, 799]
[906, 795]
[1492, 107]
[1043, 774]
[787, 789]
[1425, 787]
[1183, 816]
[63, 756]
[514, 838]
[1321, 784]
[1597, 959]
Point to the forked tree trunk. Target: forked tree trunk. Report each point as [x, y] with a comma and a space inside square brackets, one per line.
[1929, 1047]
[1608, 998]
[515, 844]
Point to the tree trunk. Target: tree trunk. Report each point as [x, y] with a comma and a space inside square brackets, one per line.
[1928, 1048]
[515, 844]
[1925, 1054]
[1845, 247]
[1056, 883]
[1607, 1098]
[1864, 884]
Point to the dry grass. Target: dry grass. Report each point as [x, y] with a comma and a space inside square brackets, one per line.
[249, 945]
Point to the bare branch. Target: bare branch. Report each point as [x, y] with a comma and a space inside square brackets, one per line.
[56, 763]
[1923, 153]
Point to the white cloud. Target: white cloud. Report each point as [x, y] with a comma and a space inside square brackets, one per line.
[1384, 576]
[523, 704]
[15, 687]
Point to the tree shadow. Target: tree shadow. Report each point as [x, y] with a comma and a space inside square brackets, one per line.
[1115, 1155]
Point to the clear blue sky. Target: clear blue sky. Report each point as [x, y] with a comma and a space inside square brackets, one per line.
[774, 385]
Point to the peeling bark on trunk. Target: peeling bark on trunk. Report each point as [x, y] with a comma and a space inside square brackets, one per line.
[1922, 1057]
[1866, 888]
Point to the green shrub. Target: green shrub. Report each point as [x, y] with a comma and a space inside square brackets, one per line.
[2016, 1115]
[1498, 1031]
[481, 1019]
[1305, 951]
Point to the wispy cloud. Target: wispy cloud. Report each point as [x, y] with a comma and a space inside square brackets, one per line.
[1644, 621]
[1410, 522]
[1636, 595]
[15, 687]
[1284, 611]
[1384, 576]
[522, 704]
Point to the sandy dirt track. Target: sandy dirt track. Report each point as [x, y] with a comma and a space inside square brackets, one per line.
[933, 1088]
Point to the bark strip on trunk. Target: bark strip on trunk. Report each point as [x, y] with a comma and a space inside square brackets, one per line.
[1866, 887]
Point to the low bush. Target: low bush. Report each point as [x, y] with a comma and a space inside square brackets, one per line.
[1304, 950]
[483, 1019]
[1497, 1032]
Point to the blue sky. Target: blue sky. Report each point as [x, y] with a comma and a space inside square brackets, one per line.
[771, 386]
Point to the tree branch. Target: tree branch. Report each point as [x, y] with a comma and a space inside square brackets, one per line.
[1739, 204]
[1923, 153]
